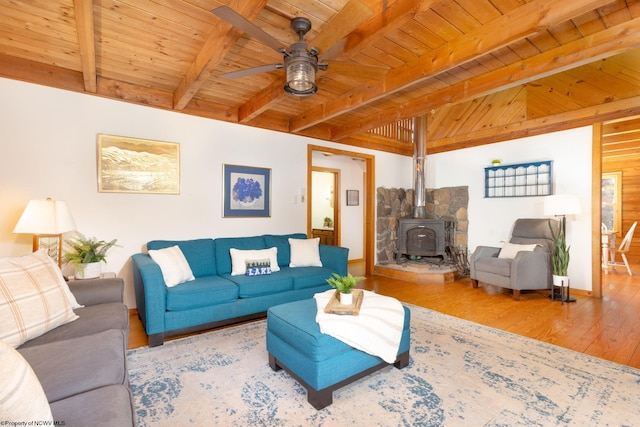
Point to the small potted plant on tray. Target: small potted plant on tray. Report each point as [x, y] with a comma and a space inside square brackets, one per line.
[87, 255]
[344, 285]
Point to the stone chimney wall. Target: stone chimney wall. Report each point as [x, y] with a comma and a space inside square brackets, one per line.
[449, 203]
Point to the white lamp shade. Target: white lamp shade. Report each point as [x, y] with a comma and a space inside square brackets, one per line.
[561, 204]
[45, 217]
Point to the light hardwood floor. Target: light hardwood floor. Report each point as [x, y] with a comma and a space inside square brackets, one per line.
[608, 328]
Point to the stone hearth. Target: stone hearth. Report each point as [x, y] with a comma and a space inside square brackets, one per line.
[393, 204]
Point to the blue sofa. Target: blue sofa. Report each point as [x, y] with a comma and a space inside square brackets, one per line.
[216, 298]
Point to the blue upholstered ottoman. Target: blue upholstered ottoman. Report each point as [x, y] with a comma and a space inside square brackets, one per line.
[318, 361]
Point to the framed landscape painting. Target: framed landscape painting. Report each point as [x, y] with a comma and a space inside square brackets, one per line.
[246, 191]
[132, 165]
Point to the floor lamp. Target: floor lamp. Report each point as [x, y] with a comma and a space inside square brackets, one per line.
[46, 220]
[561, 205]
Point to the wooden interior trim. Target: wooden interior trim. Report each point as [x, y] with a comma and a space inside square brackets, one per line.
[368, 199]
[596, 211]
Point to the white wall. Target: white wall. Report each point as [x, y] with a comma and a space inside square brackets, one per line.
[48, 149]
[491, 219]
[321, 198]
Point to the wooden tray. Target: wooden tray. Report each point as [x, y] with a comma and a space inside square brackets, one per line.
[334, 306]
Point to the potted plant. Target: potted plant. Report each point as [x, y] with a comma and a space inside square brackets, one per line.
[328, 222]
[344, 285]
[559, 257]
[87, 255]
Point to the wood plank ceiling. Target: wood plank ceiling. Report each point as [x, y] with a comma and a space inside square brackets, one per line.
[481, 70]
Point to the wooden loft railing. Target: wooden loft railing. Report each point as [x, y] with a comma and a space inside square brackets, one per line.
[400, 131]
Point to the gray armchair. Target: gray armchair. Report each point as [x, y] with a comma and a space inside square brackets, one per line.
[527, 269]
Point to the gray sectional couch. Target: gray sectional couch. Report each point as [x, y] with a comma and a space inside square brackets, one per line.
[82, 365]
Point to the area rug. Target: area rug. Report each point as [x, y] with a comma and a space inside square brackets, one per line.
[460, 374]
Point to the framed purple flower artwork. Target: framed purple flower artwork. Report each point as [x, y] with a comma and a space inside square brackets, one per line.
[246, 191]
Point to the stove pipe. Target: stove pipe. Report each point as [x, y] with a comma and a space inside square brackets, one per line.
[419, 156]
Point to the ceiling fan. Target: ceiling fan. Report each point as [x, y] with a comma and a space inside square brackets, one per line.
[301, 62]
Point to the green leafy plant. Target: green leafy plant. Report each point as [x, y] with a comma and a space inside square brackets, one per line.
[87, 250]
[344, 284]
[560, 255]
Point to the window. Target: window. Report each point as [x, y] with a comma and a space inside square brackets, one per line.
[612, 200]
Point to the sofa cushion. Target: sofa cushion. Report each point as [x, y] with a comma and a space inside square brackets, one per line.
[499, 266]
[223, 244]
[254, 286]
[105, 406]
[174, 266]
[200, 254]
[34, 298]
[240, 257]
[305, 253]
[92, 319]
[202, 292]
[282, 243]
[312, 277]
[22, 399]
[69, 367]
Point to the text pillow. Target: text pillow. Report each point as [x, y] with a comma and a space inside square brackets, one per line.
[258, 267]
[510, 250]
[305, 252]
[34, 298]
[174, 266]
[22, 399]
[240, 257]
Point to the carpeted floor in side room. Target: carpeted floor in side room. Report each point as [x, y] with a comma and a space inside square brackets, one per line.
[460, 374]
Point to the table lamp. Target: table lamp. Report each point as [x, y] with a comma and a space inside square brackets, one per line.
[46, 220]
[561, 205]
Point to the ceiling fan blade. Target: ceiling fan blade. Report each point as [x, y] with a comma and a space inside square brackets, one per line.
[367, 72]
[348, 19]
[251, 71]
[243, 24]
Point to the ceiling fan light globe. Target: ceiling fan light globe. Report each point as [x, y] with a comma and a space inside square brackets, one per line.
[301, 77]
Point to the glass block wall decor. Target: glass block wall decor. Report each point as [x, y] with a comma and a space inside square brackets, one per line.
[521, 180]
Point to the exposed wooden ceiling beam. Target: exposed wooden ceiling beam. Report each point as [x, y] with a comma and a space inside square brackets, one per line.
[385, 22]
[261, 101]
[83, 10]
[516, 25]
[218, 44]
[609, 42]
[36, 72]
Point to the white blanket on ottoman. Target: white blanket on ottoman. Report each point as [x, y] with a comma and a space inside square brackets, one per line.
[377, 330]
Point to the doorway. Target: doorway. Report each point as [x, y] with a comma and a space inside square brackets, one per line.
[362, 248]
[325, 205]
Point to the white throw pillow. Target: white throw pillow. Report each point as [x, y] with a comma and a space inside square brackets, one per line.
[174, 266]
[510, 250]
[305, 252]
[34, 298]
[239, 258]
[22, 399]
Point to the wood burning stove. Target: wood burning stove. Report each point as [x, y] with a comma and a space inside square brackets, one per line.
[421, 237]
